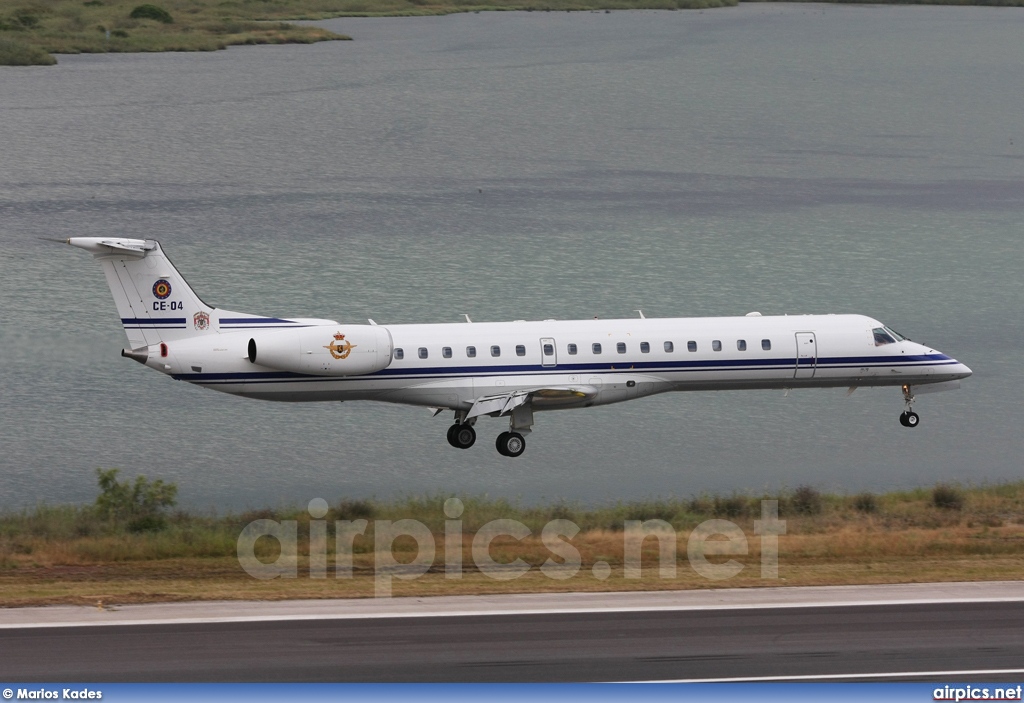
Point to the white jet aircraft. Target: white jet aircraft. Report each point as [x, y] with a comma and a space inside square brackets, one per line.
[498, 369]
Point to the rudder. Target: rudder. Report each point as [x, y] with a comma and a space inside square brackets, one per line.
[154, 301]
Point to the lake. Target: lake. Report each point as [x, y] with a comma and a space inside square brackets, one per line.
[784, 158]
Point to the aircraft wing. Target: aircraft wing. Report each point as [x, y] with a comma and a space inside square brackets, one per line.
[551, 396]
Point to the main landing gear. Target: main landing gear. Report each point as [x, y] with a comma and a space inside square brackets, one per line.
[908, 418]
[510, 444]
[461, 435]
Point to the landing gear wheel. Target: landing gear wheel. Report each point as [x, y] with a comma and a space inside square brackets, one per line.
[909, 419]
[499, 443]
[511, 444]
[461, 436]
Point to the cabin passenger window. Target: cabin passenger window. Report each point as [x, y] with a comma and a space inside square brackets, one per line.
[572, 349]
[741, 344]
[549, 350]
[399, 353]
[520, 350]
[446, 352]
[596, 348]
[645, 348]
[423, 352]
[766, 344]
[495, 350]
[471, 352]
[716, 345]
[620, 347]
[691, 346]
[670, 347]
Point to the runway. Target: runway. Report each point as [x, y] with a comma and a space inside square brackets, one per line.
[872, 633]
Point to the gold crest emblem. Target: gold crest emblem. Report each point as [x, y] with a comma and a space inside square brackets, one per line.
[340, 348]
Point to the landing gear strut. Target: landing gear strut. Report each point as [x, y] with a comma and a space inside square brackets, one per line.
[909, 418]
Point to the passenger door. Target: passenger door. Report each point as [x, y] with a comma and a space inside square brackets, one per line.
[806, 355]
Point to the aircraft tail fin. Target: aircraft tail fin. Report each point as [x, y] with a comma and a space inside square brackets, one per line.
[154, 301]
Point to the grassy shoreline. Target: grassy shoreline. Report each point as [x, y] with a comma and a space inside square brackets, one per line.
[31, 31]
[71, 555]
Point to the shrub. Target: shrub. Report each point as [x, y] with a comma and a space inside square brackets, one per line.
[356, 509]
[16, 53]
[26, 19]
[151, 12]
[866, 503]
[947, 497]
[731, 506]
[806, 501]
[139, 504]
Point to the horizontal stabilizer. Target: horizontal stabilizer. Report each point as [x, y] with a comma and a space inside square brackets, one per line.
[100, 246]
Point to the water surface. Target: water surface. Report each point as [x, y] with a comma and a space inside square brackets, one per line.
[780, 158]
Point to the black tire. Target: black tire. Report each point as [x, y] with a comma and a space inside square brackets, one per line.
[903, 419]
[464, 436]
[913, 419]
[451, 435]
[499, 443]
[515, 444]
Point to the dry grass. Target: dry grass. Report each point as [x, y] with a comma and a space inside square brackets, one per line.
[68, 555]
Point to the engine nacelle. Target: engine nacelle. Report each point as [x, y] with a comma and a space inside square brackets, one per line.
[335, 350]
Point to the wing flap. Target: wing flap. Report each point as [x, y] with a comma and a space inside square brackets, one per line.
[550, 397]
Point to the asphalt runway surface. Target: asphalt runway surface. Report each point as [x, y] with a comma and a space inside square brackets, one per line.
[810, 639]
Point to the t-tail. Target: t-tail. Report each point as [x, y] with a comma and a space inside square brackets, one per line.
[154, 301]
[172, 330]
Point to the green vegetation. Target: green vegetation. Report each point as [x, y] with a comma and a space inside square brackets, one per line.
[150, 12]
[130, 547]
[139, 506]
[19, 53]
[33, 29]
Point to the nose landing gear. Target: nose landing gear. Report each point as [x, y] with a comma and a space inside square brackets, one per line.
[909, 418]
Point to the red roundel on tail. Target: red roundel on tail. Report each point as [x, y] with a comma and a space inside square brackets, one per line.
[162, 289]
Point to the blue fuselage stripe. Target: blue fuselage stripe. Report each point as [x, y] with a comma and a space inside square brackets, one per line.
[152, 322]
[440, 373]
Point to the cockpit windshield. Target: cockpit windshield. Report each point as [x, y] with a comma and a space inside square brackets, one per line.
[884, 335]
